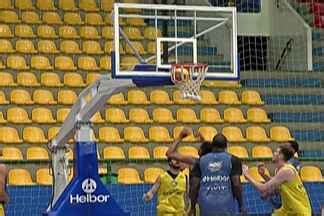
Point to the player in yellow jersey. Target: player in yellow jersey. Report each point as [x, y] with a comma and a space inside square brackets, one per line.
[295, 201]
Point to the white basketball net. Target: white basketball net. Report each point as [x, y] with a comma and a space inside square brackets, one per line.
[188, 78]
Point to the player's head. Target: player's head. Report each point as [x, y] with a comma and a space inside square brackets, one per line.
[219, 142]
[293, 145]
[175, 165]
[204, 148]
[282, 155]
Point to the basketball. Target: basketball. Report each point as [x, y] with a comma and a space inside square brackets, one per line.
[181, 74]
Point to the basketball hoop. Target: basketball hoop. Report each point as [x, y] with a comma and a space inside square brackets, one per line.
[188, 77]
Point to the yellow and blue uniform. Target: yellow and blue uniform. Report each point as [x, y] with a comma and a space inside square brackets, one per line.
[171, 195]
[295, 201]
[2, 212]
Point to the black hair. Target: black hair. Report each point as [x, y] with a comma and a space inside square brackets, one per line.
[286, 152]
[205, 148]
[219, 141]
[294, 145]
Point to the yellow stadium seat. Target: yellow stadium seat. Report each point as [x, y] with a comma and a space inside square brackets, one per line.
[88, 5]
[221, 84]
[52, 132]
[109, 20]
[11, 153]
[27, 79]
[189, 151]
[113, 153]
[159, 134]
[253, 171]
[128, 176]
[91, 47]
[5, 31]
[46, 5]
[9, 135]
[251, 97]
[44, 176]
[34, 135]
[190, 138]
[24, 5]
[128, 62]
[42, 115]
[3, 99]
[207, 97]
[19, 177]
[68, 32]
[105, 63]
[47, 46]
[25, 46]
[64, 63]
[2, 119]
[234, 115]
[210, 115]
[208, 133]
[151, 47]
[117, 99]
[178, 99]
[62, 113]
[96, 118]
[92, 77]
[261, 152]
[135, 22]
[43, 97]
[135, 96]
[187, 115]
[66, 97]
[5, 46]
[150, 33]
[18, 115]
[41, 63]
[24, 31]
[138, 152]
[139, 115]
[257, 115]
[107, 5]
[228, 97]
[163, 115]
[8, 16]
[52, 18]
[108, 33]
[134, 135]
[151, 174]
[93, 19]
[30, 17]
[109, 135]
[6, 4]
[159, 152]
[67, 5]
[72, 18]
[37, 153]
[311, 174]
[6, 79]
[17, 62]
[46, 31]
[160, 97]
[238, 151]
[280, 134]
[256, 134]
[137, 45]
[116, 115]
[20, 96]
[87, 63]
[51, 80]
[133, 33]
[73, 80]
[89, 32]
[233, 134]
[70, 47]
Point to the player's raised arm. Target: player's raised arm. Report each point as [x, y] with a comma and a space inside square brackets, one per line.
[148, 196]
[172, 151]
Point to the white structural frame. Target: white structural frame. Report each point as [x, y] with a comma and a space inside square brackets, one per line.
[118, 73]
[178, 42]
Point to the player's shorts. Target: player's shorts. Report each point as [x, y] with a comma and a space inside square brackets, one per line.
[284, 212]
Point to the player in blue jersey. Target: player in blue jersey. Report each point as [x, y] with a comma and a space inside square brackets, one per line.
[220, 188]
